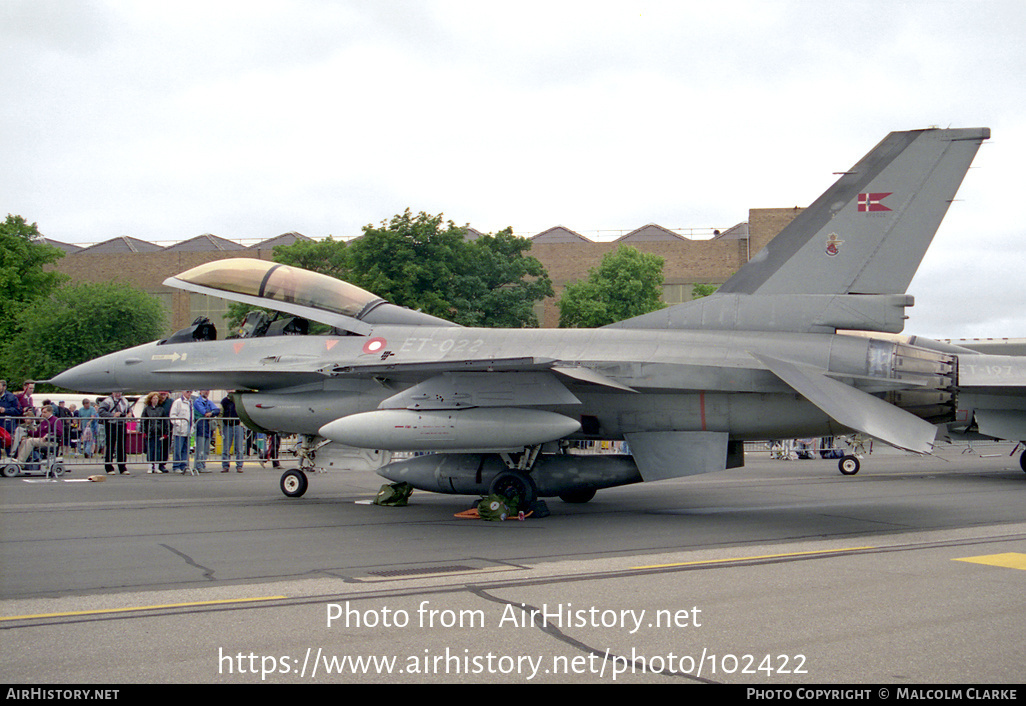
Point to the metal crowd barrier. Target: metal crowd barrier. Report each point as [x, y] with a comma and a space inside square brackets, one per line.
[85, 441]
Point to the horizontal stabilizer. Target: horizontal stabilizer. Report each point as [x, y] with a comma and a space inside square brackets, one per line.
[1001, 423]
[854, 408]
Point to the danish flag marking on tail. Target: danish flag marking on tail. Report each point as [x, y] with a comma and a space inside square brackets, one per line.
[871, 202]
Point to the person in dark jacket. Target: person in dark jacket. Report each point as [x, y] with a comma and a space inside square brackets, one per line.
[10, 410]
[154, 428]
[114, 411]
[165, 403]
[234, 437]
[28, 407]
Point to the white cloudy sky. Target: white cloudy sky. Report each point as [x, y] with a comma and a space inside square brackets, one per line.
[165, 120]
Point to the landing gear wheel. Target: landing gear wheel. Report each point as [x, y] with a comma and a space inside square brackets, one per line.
[510, 484]
[294, 483]
[11, 470]
[848, 465]
[577, 496]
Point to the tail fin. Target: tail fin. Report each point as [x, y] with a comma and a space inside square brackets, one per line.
[866, 235]
[868, 232]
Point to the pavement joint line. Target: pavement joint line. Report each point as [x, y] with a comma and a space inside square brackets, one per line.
[753, 558]
[107, 611]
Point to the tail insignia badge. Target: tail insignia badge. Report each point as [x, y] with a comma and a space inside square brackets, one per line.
[833, 244]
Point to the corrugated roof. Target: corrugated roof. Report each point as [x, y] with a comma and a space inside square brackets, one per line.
[121, 244]
[649, 233]
[68, 248]
[559, 234]
[738, 232]
[283, 239]
[205, 243]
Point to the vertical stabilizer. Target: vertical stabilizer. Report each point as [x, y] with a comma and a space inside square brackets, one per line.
[868, 232]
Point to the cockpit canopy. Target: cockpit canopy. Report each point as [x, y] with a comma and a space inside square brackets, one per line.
[281, 283]
[293, 290]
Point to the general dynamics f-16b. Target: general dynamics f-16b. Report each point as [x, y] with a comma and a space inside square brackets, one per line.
[684, 386]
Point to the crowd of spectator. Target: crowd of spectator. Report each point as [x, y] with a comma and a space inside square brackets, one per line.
[172, 428]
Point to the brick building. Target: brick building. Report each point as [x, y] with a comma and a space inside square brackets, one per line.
[565, 254]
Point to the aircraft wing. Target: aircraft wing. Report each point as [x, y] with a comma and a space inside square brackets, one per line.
[419, 369]
[480, 365]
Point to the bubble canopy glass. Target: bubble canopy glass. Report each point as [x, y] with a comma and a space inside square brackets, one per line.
[299, 292]
[281, 283]
[283, 288]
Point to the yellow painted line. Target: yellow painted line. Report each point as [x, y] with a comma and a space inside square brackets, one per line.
[144, 607]
[753, 558]
[1009, 560]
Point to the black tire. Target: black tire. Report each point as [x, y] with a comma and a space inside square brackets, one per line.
[578, 496]
[1022, 461]
[510, 484]
[57, 470]
[848, 465]
[294, 483]
[10, 470]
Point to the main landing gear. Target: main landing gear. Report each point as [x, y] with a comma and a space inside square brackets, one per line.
[515, 484]
[516, 480]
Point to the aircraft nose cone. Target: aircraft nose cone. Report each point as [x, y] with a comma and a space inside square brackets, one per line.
[96, 376]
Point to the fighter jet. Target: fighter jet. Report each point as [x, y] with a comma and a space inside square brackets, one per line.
[765, 357]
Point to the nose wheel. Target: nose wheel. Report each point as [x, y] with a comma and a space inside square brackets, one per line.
[294, 483]
[849, 465]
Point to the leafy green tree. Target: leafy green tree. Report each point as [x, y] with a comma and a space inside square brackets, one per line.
[23, 278]
[328, 256]
[79, 323]
[424, 263]
[500, 285]
[626, 283]
[411, 261]
[703, 290]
